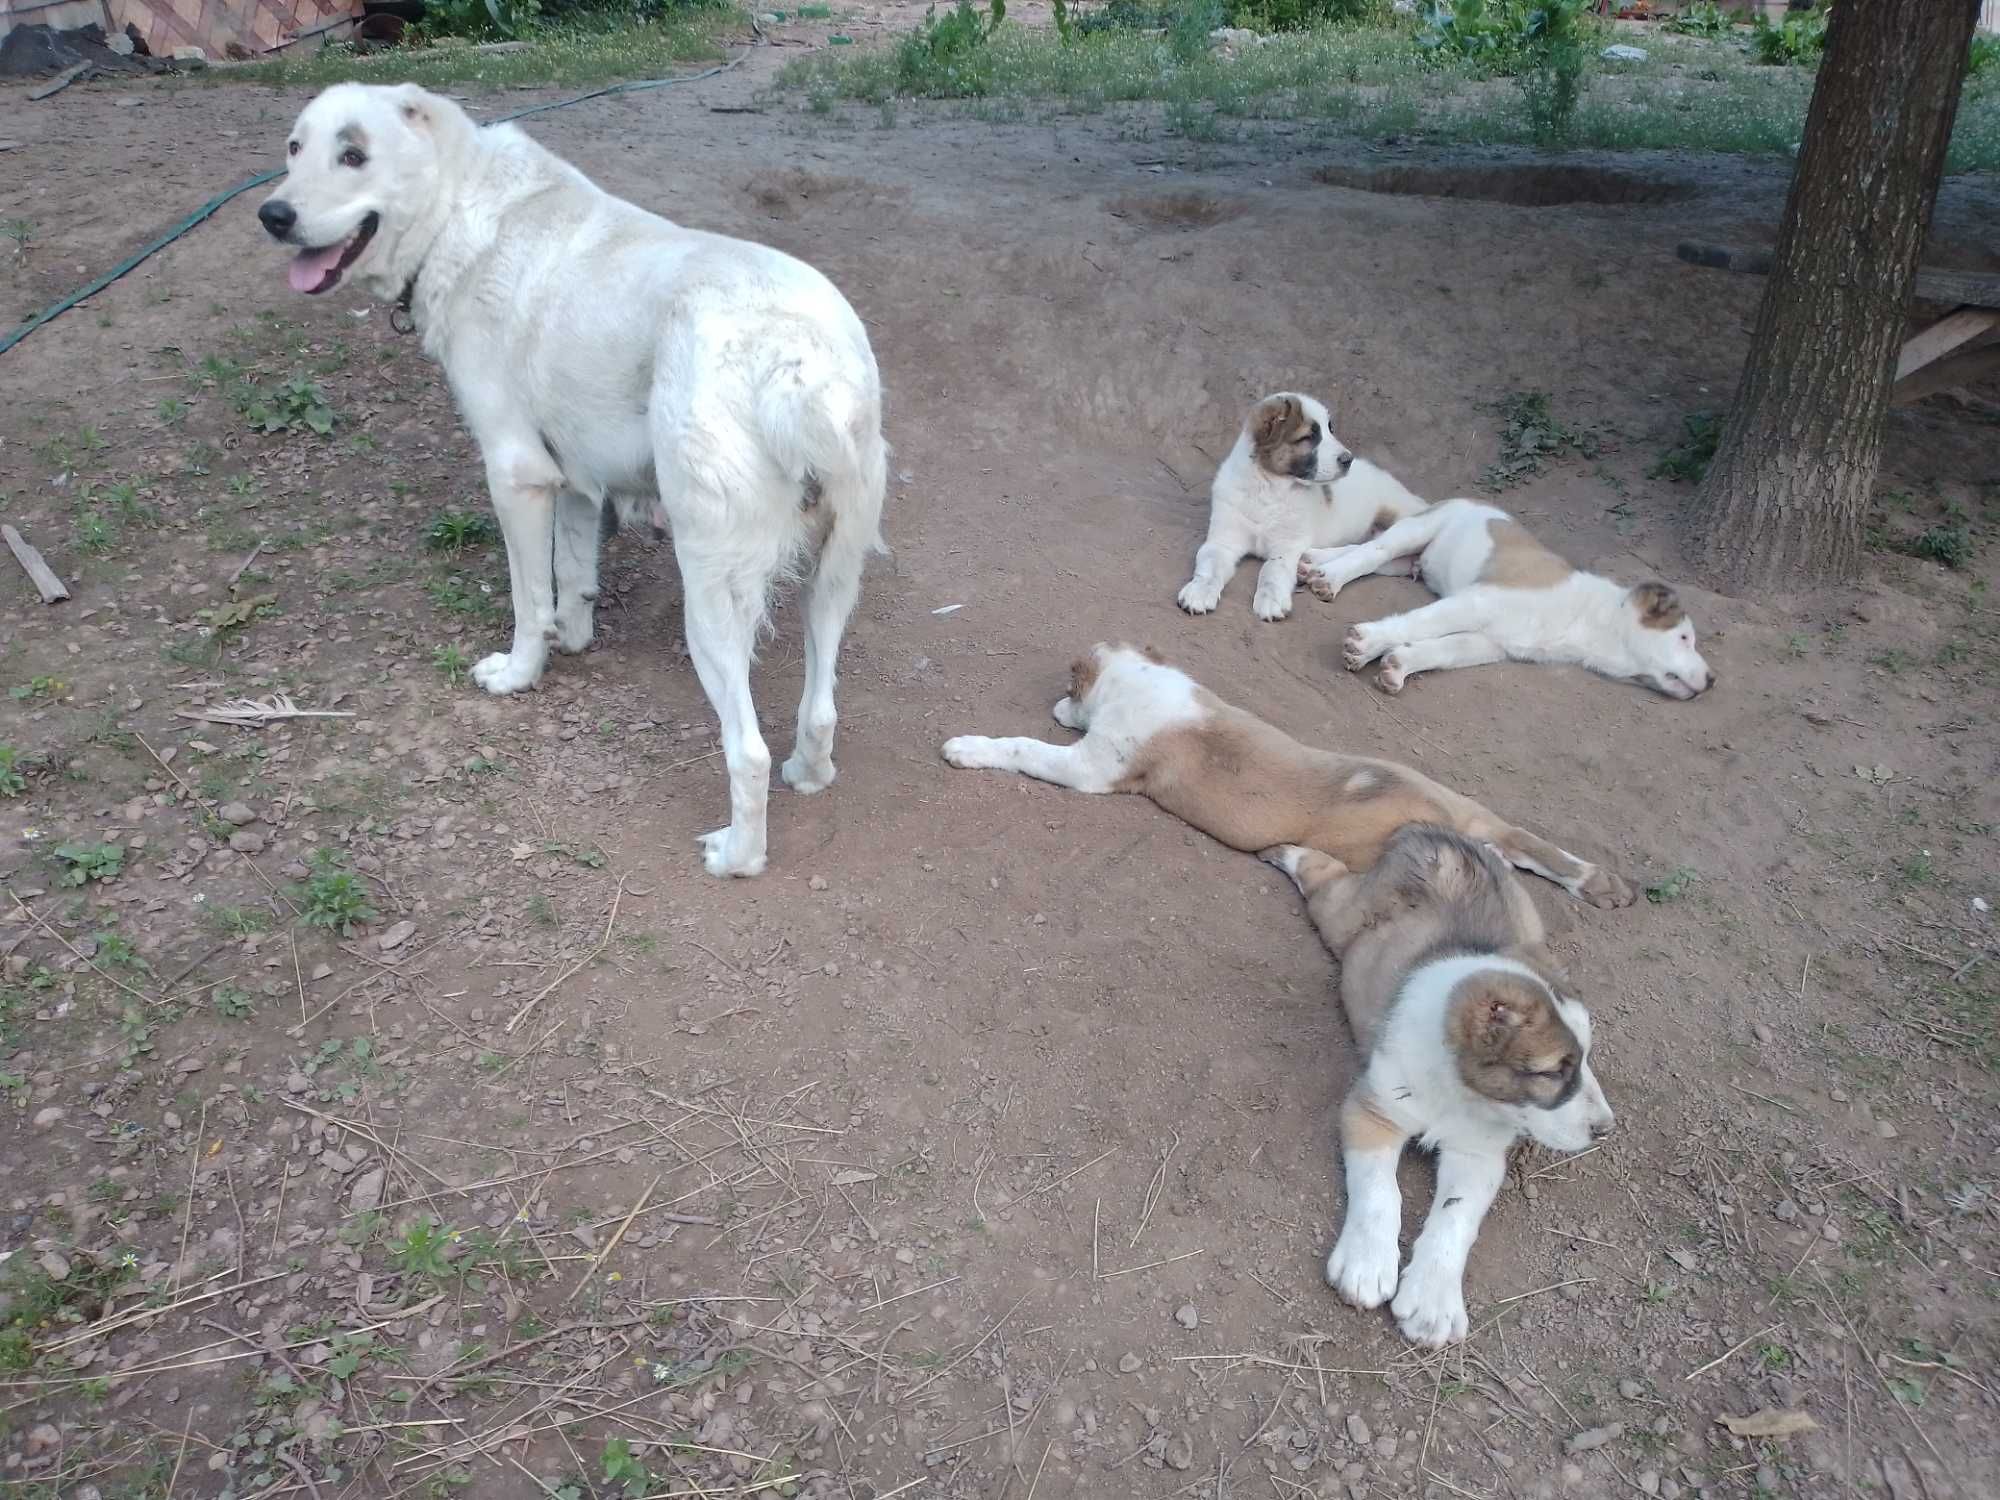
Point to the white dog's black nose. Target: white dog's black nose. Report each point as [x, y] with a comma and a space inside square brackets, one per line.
[1344, 462]
[1599, 1129]
[279, 217]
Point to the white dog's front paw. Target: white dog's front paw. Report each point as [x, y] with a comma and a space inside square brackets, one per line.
[1430, 1305]
[506, 672]
[1273, 603]
[971, 752]
[1066, 714]
[1198, 597]
[1394, 673]
[1313, 573]
[807, 777]
[575, 629]
[1362, 1267]
[724, 852]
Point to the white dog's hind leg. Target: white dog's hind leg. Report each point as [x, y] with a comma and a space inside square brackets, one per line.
[1450, 616]
[1328, 570]
[722, 612]
[1362, 1266]
[1466, 649]
[579, 524]
[1082, 767]
[1430, 1304]
[830, 596]
[524, 481]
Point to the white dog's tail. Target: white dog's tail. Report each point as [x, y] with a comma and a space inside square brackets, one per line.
[829, 433]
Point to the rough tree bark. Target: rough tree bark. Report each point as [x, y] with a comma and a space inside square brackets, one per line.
[1785, 498]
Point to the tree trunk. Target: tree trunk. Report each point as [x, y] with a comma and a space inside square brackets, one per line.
[1787, 493]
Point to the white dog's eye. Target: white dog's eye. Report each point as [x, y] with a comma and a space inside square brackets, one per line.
[353, 156]
[292, 148]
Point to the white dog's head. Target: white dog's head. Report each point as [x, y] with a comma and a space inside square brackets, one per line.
[362, 168]
[1291, 437]
[1525, 1050]
[1106, 672]
[1659, 640]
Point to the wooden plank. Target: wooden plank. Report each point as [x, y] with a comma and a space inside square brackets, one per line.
[1943, 336]
[1965, 368]
[46, 583]
[58, 83]
[1955, 288]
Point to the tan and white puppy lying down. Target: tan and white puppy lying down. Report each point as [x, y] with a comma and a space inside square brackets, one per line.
[1503, 596]
[1468, 1046]
[1150, 728]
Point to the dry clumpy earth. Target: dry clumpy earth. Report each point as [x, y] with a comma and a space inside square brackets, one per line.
[392, 1107]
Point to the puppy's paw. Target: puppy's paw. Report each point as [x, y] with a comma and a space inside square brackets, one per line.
[1604, 890]
[575, 629]
[1198, 597]
[1355, 651]
[726, 852]
[971, 752]
[1271, 604]
[1362, 1267]
[503, 672]
[1067, 714]
[1309, 868]
[1430, 1305]
[1394, 673]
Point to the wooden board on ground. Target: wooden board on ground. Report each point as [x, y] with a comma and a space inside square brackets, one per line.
[46, 583]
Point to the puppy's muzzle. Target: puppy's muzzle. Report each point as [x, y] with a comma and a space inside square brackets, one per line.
[279, 218]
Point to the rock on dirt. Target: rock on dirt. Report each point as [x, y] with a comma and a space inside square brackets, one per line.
[1357, 1430]
[247, 841]
[1594, 1437]
[366, 1192]
[396, 936]
[1127, 1363]
[236, 814]
[1187, 1316]
[44, 1118]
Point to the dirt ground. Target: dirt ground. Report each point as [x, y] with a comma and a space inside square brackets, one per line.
[984, 1146]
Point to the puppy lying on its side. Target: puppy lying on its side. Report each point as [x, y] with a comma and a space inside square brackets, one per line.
[1150, 728]
[1287, 485]
[1504, 596]
[1468, 1046]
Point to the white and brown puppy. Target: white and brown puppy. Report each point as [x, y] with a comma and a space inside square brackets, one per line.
[1287, 485]
[1503, 596]
[1150, 728]
[1469, 1047]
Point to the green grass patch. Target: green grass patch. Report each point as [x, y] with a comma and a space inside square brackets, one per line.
[1368, 78]
[570, 53]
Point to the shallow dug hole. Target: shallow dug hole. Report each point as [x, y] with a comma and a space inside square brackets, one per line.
[1523, 187]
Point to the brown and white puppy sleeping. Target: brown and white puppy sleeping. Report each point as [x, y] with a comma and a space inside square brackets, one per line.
[1468, 1044]
[1150, 728]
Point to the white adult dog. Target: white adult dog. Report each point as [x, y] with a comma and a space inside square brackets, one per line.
[602, 354]
[1287, 485]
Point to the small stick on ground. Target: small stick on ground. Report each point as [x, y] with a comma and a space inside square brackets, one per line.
[33, 916]
[1733, 1348]
[612, 1244]
[576, 968]
[244, 566]
[50, 587]
[187, 1208]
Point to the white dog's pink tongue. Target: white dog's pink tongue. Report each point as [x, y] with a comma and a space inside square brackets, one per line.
[313, 270]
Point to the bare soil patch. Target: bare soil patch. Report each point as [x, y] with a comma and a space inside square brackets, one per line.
[1520, 186]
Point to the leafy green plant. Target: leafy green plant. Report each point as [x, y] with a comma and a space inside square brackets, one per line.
[1705, 19]
[12, 782]
[1530, 435]
[452, 664]
[1985, 55]
[1673, 887]
[295, 405]
[1796, 41]
[335, 896]
[1551, 79]
[1688, 459]
[82, 863]
[944, 58]
[457, 530]
[233, 1004]
[622, 1469]
[420, 1250]
[1301, 15]
[1949, 543]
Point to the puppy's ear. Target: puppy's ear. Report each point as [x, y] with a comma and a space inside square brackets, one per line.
[1658, 605]
[417, 106]
[1273, 419]
[1082, 676]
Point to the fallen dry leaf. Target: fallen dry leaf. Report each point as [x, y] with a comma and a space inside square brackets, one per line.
[1767, 1423]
